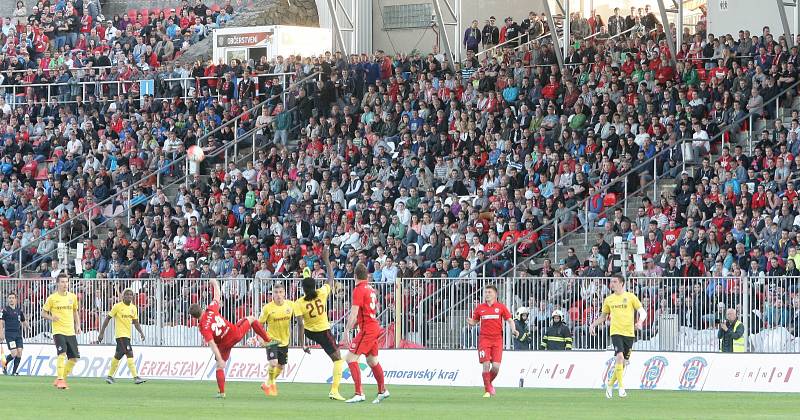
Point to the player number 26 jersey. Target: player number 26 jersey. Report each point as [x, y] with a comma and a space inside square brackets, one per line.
[212, 325]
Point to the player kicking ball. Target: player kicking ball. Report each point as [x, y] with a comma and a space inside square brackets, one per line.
[490, 315]
[125, 314]
[311, 311]
[623, 306]
[362, 312]
[220, 335]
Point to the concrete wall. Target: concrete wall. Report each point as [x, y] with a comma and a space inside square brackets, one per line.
[746, 14]
[423, 40]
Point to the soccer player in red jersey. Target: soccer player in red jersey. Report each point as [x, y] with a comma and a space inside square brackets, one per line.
[362, 312]
[221, 335]
[491, 315]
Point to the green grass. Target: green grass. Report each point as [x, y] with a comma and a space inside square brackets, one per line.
[35, 397]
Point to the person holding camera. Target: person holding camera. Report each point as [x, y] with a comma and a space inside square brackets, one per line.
[731, 333]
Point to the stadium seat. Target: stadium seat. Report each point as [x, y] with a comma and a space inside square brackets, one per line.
[609, 200]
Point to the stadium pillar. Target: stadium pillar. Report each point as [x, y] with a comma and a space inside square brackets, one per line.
[336, 28]
[554, 35]
[445, 37]
[398, 313]
[785, 23]
[679, 26]
[667, 30]
[567, 28]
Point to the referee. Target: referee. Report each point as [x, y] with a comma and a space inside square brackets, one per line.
[12, 319]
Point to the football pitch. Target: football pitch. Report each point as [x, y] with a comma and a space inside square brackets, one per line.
[29, 398]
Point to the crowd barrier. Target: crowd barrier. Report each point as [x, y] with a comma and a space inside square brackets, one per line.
[555, 369]
[684, 314]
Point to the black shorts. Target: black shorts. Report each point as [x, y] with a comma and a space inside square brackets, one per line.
[67, 344]
[14, 343]
[622, 344]
[281, 354]
[324, 339]
[123, 347]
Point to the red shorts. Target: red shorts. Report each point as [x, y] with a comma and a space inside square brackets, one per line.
[366, 342]
[233, 338]
[490, 351]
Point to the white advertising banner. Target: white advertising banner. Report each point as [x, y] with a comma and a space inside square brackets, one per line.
[575, 369]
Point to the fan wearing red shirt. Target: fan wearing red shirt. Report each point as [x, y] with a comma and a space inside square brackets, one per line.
[490, 315]
[220, 335]
[362, 313]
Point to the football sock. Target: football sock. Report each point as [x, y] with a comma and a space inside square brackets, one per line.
[493, 373]
[270, 373]
[355, 373]
[68, 367]
[338, 368]
[221, 380]
[259, 330]
[487, 380]
[377, 372]
[8, 359]
[132, 367]
[113, 369]
[60, 366]
[17, 361]
[613, 378]
[618, 372]
[274, 373]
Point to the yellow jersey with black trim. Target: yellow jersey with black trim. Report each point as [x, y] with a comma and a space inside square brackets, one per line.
[63, 307]
[622, 309]
[314, 311]
[279, 320]
[123, 315]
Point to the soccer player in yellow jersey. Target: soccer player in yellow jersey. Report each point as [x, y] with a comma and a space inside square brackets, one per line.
[278, 316]
[61, 308]
[125, 315]
[312, 311]
[622, 306]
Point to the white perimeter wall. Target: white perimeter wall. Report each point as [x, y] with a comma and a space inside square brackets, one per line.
[568, 369]
[750, 15]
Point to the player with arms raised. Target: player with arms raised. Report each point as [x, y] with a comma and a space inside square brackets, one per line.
[312, 313]
[490, 315]
[221, 335]
[622, 306]
[362, 312]
[61, 308]
[125, 315]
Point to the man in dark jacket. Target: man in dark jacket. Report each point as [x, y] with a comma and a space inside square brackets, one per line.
[523, 340]
[558, 335]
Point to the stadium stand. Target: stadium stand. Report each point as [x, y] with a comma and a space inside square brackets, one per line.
[447, 177]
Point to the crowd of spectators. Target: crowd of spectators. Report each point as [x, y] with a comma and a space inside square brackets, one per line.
[412, 168]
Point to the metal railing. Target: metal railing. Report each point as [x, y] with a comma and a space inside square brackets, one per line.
[122, 196]
[163, 305]
[683, 313]
[18, 94]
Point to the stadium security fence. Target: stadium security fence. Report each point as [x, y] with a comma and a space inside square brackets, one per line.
[683, 313]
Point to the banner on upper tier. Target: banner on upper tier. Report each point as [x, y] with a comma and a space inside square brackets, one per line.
[569, 369]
